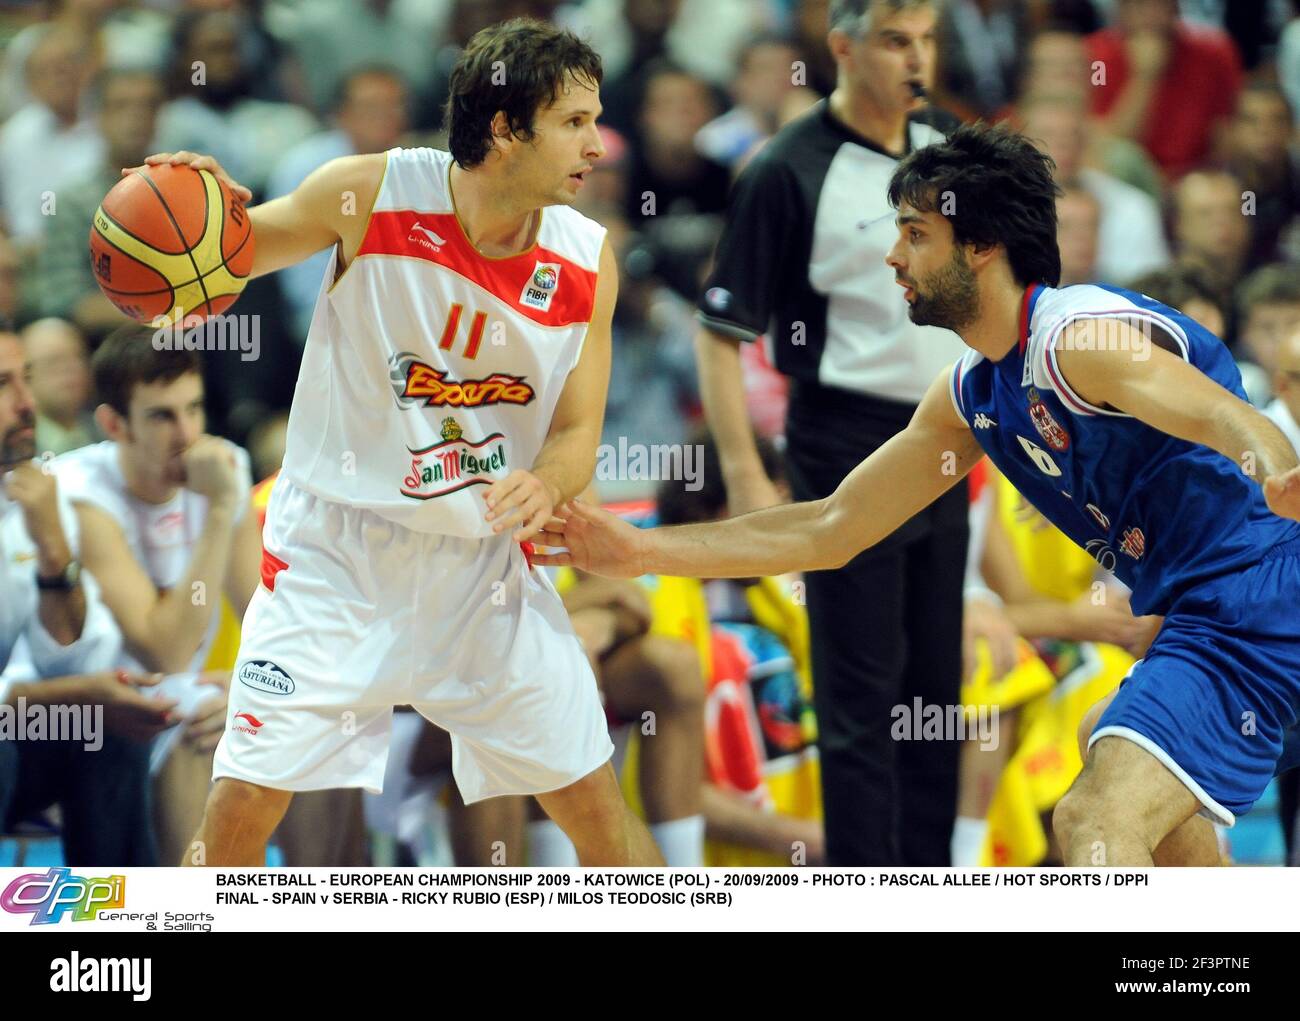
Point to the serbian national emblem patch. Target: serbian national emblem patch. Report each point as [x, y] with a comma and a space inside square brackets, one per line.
[1048, 427]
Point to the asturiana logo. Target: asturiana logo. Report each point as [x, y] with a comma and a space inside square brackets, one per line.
[47, 898]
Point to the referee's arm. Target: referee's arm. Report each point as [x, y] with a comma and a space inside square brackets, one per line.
[765, 214]
[722, 392]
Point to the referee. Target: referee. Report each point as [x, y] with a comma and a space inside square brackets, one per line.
[801, 260]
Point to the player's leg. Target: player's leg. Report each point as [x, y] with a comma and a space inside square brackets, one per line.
[595, 817]
[237, 824]
[487, 833]
[662, 676]
[1124, 803]
[324, 828]
[179, 792]
[1193, 843]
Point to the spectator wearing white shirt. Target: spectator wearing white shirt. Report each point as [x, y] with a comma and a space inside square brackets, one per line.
[1131, 239]
[49, 142]
[371, 115]
[49, 606]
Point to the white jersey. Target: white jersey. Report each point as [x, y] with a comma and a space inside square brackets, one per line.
[431, 370]
[161, 536]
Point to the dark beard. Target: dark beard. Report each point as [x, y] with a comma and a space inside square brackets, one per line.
[953, 298]
[14, 451]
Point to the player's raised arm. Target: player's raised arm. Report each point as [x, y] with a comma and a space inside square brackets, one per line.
[1168, 394]
[330, 205]
[906, 474]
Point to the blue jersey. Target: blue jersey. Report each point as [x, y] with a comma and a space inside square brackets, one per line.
[1163, 514]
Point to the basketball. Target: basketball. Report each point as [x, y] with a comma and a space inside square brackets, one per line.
[171, 243]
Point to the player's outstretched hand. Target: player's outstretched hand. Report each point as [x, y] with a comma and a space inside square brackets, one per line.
[520, 499]
[198, 162]
[1283, 494]
[594, 540]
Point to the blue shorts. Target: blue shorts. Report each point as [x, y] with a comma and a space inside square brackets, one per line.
[1220, 686]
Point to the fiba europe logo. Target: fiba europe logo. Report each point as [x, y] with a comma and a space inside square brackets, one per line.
[540, 289]
[47, 898]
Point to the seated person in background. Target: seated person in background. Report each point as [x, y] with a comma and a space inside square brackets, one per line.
[100, 781]
[1268, 311]
[60, 385]
[761, 798]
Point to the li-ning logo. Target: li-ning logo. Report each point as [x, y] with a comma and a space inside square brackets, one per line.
[422, 235]
[47, 898]
[250, 725]
[540, 289]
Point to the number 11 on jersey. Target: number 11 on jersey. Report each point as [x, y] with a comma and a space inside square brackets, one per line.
[476, 328]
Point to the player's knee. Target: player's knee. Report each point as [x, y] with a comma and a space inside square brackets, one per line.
[672, 679]
[249, 803]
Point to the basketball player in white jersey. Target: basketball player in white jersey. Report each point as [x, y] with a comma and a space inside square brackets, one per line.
[451, 394]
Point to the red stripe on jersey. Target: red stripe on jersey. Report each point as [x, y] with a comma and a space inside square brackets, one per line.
[438, 238]
[271, 566]
[1024, 314]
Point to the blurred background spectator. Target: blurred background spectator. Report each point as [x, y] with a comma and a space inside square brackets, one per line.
[370, 114]
[61, 386]
[128, 103]
[1164, 82]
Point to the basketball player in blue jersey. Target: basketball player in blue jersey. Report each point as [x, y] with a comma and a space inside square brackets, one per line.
[1126, 425]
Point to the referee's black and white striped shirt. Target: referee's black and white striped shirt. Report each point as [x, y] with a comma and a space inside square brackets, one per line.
[802, 260]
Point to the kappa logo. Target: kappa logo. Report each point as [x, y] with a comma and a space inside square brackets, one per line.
[422, 235]
[982, 421]
[265, 676]
[250, 725]
[541, 286]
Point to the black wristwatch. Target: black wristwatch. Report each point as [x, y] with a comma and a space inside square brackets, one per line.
[64, 582]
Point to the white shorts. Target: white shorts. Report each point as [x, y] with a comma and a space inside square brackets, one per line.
[357, 614]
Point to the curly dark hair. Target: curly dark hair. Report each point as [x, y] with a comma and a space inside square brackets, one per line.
[517, 67]
[994, 187]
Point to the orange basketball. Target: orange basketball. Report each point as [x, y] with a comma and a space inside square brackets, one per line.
[171, 244]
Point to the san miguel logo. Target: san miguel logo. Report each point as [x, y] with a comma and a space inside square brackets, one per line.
[453, 464]
[1048, 427]
[413, 380]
